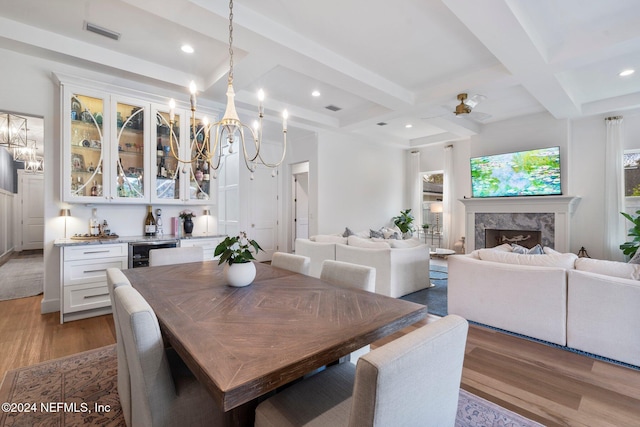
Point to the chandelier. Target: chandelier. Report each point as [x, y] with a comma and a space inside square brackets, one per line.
[13, 132]
[229, 129]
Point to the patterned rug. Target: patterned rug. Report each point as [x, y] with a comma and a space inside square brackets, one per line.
[22, 276]
[435, 298]
[81, 390]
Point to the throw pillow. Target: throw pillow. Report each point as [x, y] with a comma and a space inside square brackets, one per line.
[636, 258]
[505, 247]
[374, 233]
[390, 233]
[518, 249]
[549, 251]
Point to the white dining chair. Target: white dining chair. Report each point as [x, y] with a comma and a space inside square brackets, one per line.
[411, 381]
[115, 279]
[168, 256]
[347, 274]
[164, 393]
[296, 263]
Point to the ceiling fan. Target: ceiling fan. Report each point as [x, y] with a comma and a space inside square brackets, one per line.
[465, 108]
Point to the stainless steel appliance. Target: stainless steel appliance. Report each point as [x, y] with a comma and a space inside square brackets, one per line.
[139, 251]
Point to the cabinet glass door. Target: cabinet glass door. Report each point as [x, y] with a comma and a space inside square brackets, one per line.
[87, 146]
[130, 161]
[200, 187]
[167, 172]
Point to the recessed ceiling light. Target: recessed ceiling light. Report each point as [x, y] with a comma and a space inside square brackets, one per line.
[315, 93]
[187, 48]
[408, 126]
[626, 72]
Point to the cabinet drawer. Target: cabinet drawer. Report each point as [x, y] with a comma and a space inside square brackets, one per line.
[85, 297]
[95, 251]
[78, 272]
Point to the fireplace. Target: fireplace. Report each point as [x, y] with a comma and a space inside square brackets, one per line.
[527, 238]
[548, 214]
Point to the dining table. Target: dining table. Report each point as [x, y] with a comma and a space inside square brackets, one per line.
[243, 343]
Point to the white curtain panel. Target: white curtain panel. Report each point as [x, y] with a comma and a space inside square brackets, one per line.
[447, 198]
[415, 188]
[614, 190]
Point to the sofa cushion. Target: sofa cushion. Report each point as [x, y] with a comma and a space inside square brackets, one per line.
[329, 238]
[550, 251]
[609, 268]
[518, 249]
[359, 242]
[408, 243]
[565, 261]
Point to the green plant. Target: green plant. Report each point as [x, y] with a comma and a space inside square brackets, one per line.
[236, 250]
[425, 226]
[630, 247]
[404, 221]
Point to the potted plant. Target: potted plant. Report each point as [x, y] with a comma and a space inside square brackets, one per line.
[236, 253]
[631, 247]
[187, 218]
[404, 222]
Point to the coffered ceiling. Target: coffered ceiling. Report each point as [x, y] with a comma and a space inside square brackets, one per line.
[397, 63]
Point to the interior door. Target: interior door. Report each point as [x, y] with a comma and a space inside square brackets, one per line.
[32, 210]
[263, 212]
[301, 204]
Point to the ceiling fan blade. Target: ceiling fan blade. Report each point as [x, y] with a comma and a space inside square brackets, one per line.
[475, 100]
[479, 116]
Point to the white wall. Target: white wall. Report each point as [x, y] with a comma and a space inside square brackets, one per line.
[360, 184]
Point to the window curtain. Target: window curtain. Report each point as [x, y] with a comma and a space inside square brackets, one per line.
[415, 188]
[447, 198]
[614, 190]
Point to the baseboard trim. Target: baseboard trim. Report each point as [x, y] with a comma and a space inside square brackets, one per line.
[49, 306]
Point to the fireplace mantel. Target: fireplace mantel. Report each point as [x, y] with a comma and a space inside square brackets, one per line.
[561, 206]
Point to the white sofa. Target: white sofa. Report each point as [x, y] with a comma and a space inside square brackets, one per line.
[399, 271]
[585, 304]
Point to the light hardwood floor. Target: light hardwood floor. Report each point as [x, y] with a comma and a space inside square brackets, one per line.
[549, 385]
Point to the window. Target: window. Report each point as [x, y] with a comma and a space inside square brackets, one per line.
[631, 164]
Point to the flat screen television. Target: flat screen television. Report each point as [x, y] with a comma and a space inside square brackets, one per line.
[522, 173]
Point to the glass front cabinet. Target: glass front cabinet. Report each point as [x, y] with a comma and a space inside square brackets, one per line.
[181, 169]
[124, 150]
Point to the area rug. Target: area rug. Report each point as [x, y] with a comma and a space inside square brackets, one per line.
[81, 390]
[22, 276]
[435, 298]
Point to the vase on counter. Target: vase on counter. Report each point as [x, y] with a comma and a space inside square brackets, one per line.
[188, 226]
[239, 274]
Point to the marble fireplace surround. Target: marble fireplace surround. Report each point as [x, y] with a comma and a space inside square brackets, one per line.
[549, 214]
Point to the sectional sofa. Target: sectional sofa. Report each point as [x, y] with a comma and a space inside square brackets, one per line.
[582, 303]
[402, 266]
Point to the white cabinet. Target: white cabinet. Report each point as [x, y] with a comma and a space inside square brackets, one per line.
[83, 281]
[105, 147]
[208, 245]
[116, 149]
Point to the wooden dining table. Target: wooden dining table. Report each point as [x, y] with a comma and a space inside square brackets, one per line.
[243, 343]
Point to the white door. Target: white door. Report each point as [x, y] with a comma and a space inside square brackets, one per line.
[301, 205]
[263, 212]
[31, 195]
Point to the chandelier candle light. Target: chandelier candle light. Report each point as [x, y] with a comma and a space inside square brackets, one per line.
[228, 129]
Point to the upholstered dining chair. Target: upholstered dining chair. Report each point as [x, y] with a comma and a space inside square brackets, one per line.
[347, 274]
[164, 392]
[296, 263]
[168, 256]
[115, 278]
[412, 381]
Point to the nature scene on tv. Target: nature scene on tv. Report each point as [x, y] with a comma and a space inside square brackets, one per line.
[525, 173]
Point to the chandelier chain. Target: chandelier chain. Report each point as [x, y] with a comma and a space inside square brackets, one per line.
[230, 41]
